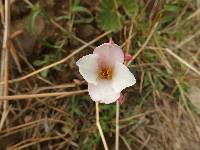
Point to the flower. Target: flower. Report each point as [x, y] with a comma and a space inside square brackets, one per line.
[105, 73]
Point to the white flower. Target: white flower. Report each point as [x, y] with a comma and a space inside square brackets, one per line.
[105, 73]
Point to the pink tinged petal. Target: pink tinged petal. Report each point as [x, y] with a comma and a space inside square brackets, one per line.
[128, 57]
[122, 77]
[121, 99]
[111, 41]
[88, 67]
[103, 92]
[109, 54]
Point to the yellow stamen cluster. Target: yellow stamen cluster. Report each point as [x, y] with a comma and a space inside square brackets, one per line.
[105, 73]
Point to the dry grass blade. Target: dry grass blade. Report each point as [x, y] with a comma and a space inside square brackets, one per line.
[182, 61]
[145, 43]
[4, 64]
[125, 142]
[117, 127]
[28, 3]
[15, 57]
[194, 14]
[49, 105]
[188, 39]
[60, 61]
[33, 141]
[99, 127]
[1, 12]
[30, 124]
[30, 96]
[138, 116]
[185, 63]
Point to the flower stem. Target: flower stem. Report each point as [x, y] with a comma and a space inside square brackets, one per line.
[117, 127]
[99, 127]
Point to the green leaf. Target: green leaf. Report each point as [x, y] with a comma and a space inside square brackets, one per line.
[83, 20]
[48, 44]
[108, 4]
[172, 8]
[48, 58]
[38, 62]
[66, 17]
[76, 2]
[44, 73]
[130, 7]
[58, 68]
[36, 10]
[108, 18]
[80, 9]
[75, 108]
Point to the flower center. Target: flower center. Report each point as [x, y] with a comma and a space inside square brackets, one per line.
[105, 73]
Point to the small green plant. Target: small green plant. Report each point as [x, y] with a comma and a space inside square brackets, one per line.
[48, 59]
[75, 107]
[107, 114]
[130, 7]
[109, 18]
[35, 12]
[76, 14]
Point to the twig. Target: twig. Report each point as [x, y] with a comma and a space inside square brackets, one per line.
[125, 142]
[182, 61]
[53, 87]
[29, 96]
[33, 69]
[30, 142]
[188, 39]
[138, 115]
[4, 116]
[28, 3]
[99, 127]
[145, 142]
[4, 66]
[127, 40]
[67, 32]
[178, 58]
[15, 57]
[194, 14]
[129, 37]
[145, 43]
[58, 62]
[1, 12]
[27, 125]
[117, 127]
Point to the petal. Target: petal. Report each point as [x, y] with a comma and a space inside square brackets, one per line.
[109, 54]
[103, 92]
[122, 77]
[88, 66]
[121, 99]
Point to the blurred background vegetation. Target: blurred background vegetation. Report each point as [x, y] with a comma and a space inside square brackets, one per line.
[160, 112]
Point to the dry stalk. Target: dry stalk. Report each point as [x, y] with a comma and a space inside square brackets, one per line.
[188, 39]
[182, 61]
[58, 62]
[117, 127]
[128, 42]
[99, 127]
[28, 125]
[125, 142]
[30, 96]
[1, 12]
[4, 63]
[145, 43]
[29, 142]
